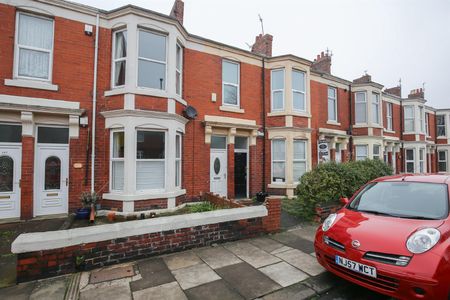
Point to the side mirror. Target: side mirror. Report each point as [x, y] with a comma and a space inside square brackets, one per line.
[344, 200]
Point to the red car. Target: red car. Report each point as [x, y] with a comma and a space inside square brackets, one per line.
[392, 237]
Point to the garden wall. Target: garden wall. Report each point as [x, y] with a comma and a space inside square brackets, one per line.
[46, 254]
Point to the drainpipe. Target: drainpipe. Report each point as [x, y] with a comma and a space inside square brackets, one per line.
[350, 129]
[402, 151]
[263, 78]
[94, 103]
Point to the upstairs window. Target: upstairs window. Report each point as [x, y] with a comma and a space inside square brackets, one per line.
[332, 104]
[360, 107]
[152, 60]
[440, 124]
[376, 108]
[230, 83]
[442, 161]
[277, 89]
[389, 116]
[179, 71]
[299, 161]
[120, 57]
[421, 119]
[34, 47]
[361, 152]
[409, 118]
[427, 124]
[278, 161]
[298, 90]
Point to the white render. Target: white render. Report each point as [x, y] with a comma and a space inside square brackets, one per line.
[38, 241]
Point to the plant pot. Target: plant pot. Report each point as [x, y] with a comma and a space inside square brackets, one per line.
[82, 213]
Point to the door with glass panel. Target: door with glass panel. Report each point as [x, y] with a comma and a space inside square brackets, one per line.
[218, 165]
[52, 171]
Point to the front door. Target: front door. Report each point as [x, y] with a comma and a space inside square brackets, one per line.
[240, 174]
[10, 169]
[52, 180]
[218, 172]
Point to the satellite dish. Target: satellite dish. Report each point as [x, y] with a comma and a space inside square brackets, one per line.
[190, 112]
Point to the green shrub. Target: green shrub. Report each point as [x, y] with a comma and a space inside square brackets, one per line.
[326, 183]
[202, 207]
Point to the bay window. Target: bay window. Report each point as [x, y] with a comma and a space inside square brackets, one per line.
[442, 161]
[299, 161]
[421, 119]
[410, 161]
[230, 83]
[120, 57]
[427, 124]
[117, 160]
[178, 147]
[440, 124]
[150, 160]
[361, 152]
[360, 107]
[376, 152]
[421, 160]
[179, 70]
[277, 89]
[278, 161]
[332, 104]
[152, 60]
[389, 116]
[409, 118]
[34, 47]
[376, 108]
[298, 90]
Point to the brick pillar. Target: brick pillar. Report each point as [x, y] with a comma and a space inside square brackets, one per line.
[389, 157]
[272, 223]
[332, 154]
[433, 167]
[26, 183]
[230, 175]
[344, 155]
[253, 178]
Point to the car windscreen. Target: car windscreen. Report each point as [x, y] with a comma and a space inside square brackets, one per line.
[415, 200]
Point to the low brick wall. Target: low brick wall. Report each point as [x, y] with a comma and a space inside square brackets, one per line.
[38, 258]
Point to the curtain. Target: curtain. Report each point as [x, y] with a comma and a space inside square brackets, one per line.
[150, 175]
[117, 175]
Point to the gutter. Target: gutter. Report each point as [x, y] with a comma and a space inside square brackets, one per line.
[94, 104]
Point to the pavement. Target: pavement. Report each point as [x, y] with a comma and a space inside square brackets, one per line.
[275, 267]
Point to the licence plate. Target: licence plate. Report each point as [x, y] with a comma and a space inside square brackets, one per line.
[356, 266]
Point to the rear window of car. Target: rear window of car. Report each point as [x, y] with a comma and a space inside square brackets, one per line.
[415, 200]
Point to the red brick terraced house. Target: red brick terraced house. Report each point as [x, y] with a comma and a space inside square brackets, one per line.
[129, 104]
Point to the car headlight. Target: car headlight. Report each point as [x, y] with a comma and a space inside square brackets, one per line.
[423, 240]
[329, 221]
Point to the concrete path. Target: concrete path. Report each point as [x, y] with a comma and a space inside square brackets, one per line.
[275, 267]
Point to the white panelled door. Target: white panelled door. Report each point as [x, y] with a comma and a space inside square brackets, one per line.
[52, 180]
[218, 172]
[10, 170]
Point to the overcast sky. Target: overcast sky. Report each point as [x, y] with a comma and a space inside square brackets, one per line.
[391, 39]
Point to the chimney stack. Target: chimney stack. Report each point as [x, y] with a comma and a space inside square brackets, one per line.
[366, 78]
[322, 63]
[178, 11]
[417, 93]
[263, 45]
[397, 91]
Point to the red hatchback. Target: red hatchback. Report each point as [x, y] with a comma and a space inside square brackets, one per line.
[392, 237]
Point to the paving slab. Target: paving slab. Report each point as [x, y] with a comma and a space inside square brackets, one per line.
[108, 292]
[216, 290]
[153, 272]
[295, 241]
[284, 274]
[302, 261]
[247, 281]
[306, 231]
[195, 275]
[52, 288]
[323, 282]
[266, 244]
[18, 292]
[217, 257]
[111, 273]
[181, 260]
[8, 264]
[282, 249]
[297, 291]
[168, 291]
[252, 254]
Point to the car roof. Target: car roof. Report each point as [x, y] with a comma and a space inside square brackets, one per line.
[430, 178]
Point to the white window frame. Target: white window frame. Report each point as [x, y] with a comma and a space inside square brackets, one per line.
[376, 156]
[298, 91]
[443, 161]
[178, 170]
[113, 159]
[444, 126]
[335, 99]
[365, 105]
[421, 119]
[427, 124]
[376, 108]
[278, 161]
[17, 47]
[224, 83]
[423, 152]
[151, 60]
[179, 70]
[299, 160]
[389, 116]
[148, 191]
[282, 90]
[114, 60]
[411, 119]
[356, 152]
[413, 161]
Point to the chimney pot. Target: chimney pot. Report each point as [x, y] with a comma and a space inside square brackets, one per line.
[263, 45]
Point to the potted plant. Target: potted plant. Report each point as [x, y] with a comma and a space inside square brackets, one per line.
[88, 200]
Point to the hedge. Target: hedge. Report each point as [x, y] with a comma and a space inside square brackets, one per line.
[327, 182]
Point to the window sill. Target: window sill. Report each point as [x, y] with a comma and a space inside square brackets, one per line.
[333, 123]
[231, 109]
[281, 185]
[442, 137]
[32, 84]
[389, 131]
[286, 113]
[138, 197]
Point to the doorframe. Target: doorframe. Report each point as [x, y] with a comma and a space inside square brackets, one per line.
[224, 150]
[247, 168]
[16, 146]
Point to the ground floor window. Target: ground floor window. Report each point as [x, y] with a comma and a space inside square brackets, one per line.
[299, 161]
[178, 149]
[117, 160]
[409, 160]
[442, 161]
[376, 151]
[421, 160]
[361, 152]
[338, 154]
[278, 161]
[150, 160]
